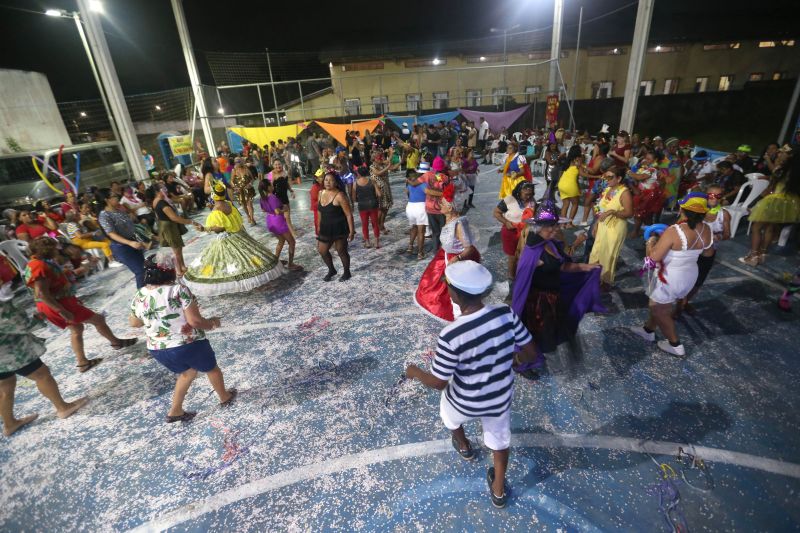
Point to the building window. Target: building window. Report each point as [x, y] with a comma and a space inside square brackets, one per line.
[498, 94]
[725, 82]
[413, 102]
[701, 84]
[664, 49]
[778, 75]
[532, 93]
[766, 44]
[721, 46]
[756, 76]
[602, 89]
[352, 106]
[441, 100]
[613, 51]
[671, 86]
[788, 43]
[473, 97]
[351, 67]
[380, 104]
[416, 63]
[646, 87]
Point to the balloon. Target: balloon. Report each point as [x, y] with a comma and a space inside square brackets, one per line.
[44, 178]
[656, 229]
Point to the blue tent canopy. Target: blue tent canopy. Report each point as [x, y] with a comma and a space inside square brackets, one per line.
[423, 119]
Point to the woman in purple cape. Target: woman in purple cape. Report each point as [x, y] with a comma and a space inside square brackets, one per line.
[551, 293]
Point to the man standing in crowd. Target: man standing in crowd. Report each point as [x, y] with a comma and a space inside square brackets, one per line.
[490, 335]
[483, 136]
[313, 152]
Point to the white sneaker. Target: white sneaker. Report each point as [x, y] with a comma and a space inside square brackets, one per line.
[114, 264]
[674, 350]
[649, 336]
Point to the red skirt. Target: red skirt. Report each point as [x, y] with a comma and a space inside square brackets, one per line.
[80, 313]
[432, 295]
[509, 238]
[648, 202]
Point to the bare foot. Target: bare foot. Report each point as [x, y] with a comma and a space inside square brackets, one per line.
[72, 407]
[9, 430]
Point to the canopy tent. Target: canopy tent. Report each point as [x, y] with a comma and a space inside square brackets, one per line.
[235, 142]
[263, 135]
[424, 119]
[338, 131]
[497, 120]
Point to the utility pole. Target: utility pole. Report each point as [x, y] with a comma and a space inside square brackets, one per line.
[575, 68]
[555, 47]
[116, 100]
[505, 57]
[272, 84]
[194, 76]
[638, 50]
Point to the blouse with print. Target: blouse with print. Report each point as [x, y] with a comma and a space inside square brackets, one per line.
[161, 309]
[58, 284]
[450, 241]
[119, 223]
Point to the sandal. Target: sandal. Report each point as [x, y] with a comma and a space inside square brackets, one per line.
[85, 367]
[420, 257]
[410, 250]
[468, 454]
[185, 417]
[124, 344]
[233, 393]
[367, 244]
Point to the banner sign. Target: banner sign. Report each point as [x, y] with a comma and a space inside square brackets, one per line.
[180, 145]
[551, 115]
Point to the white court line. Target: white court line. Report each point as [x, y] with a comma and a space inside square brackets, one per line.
[749, 274]
[420, 449]
[715, 281]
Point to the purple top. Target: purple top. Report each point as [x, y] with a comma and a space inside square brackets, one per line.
[270, 204]
[469, 166]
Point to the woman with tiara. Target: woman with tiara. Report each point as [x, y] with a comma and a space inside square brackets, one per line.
[233, 261]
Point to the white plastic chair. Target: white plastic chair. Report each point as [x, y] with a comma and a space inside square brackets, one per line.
[539, 168]
[738, 209]
[755, 176]
[17, 252]
[785, 234]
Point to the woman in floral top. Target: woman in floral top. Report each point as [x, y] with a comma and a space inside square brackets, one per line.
[55, 299]
[175, 334]
[19, 354]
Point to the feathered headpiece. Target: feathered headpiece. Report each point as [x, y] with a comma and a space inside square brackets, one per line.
[449, 193]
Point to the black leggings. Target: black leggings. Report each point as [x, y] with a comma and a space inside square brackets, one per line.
[704, 264]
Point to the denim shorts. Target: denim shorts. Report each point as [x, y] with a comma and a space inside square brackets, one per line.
[197, 355]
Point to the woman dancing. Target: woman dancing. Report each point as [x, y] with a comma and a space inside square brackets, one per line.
[242, 181]
[672, 262]
[335, 227]
[509, 212]
[614, 208]
[458, 244]
[276, 223]
[233, 261]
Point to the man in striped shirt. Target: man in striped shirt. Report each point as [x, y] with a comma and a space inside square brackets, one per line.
[472, 368]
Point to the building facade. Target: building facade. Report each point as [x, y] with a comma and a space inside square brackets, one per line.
[412, 85]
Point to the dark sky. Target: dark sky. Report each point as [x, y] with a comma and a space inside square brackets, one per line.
[147, 54]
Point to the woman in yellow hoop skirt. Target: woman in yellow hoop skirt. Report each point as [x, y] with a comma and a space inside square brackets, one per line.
[233, 261]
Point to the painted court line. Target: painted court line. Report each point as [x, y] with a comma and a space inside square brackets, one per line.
[330, 319]
[715, 281]
[216, 502]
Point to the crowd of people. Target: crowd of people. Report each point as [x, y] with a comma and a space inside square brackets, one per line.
[608, 180]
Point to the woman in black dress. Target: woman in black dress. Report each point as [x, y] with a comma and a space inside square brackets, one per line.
[335, 227]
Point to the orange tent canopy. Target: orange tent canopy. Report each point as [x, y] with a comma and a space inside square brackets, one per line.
[337, 131]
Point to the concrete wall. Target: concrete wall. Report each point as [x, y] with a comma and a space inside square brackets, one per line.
[458, 75]
[28, 112]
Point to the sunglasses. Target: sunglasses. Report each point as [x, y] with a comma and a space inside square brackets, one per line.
[714, 195]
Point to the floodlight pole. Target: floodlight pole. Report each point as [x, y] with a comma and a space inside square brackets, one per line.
[116, 100]
[272, 84]
[644, 15]
[790, 112]
[555, 47]
[575, 67]
[194, 76]
[77, 18]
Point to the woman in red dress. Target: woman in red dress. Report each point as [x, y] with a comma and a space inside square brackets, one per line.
[458, 244]
[55, 299]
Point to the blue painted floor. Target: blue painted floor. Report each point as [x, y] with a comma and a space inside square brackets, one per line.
[323, 437]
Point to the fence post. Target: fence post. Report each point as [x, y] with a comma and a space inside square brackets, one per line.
[302, 105]
[261, 105]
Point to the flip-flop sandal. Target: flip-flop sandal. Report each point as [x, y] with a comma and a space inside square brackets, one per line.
[185, 417]
[125, 343]
[468, 454]
[233, 393]
[409, 250]
[85, 367]
[420, 257]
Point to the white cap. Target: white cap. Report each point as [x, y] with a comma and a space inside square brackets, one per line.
[469, 276]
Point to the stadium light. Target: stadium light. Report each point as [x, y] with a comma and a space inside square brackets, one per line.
[83, 113]
[658, 48]
[158, 108]
[435, 61]
[482, 58]
[96, 6]
[616, 50]
[221, 111]
[55, 13]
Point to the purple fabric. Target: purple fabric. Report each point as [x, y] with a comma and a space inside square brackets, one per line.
[276, 224]
[579, 290]
[498, 120]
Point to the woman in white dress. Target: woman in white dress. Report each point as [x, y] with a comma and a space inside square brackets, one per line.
[672, 262]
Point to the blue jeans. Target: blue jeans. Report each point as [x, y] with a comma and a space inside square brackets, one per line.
[131, 258]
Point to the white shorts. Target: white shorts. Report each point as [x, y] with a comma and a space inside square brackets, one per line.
[416, 214]
[496, 429]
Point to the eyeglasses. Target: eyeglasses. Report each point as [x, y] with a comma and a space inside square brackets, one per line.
[715, 195]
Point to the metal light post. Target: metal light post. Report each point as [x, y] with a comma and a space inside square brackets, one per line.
[505, 55]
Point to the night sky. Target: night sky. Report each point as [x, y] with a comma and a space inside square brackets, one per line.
[147, 54]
